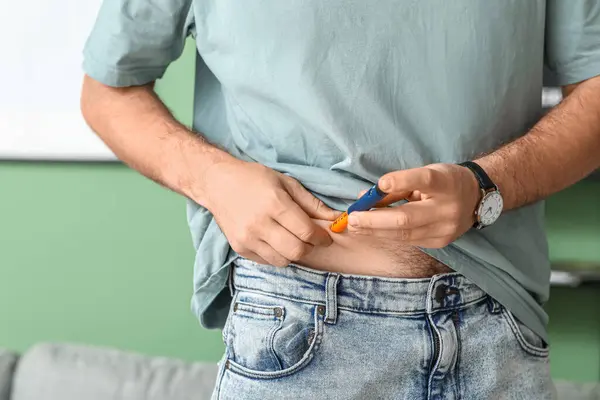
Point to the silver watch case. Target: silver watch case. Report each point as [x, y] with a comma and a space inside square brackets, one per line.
[489, 208]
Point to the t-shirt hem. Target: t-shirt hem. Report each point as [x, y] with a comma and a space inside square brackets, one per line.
[205, 295]
[582, 72]
[500, 291]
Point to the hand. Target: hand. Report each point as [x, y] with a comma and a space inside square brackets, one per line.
[265, 215]
[441, 208]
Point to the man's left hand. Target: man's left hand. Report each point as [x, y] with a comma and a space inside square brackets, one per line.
[442, 201]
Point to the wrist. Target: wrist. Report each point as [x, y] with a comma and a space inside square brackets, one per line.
[490, 205]
[473, 193]
[191, 172]
[495, 167]
[209, 181]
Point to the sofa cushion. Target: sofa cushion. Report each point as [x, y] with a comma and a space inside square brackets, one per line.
[8, 362]
[577, 390]
[73, 372]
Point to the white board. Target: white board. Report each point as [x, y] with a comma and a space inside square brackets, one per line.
[40, 81]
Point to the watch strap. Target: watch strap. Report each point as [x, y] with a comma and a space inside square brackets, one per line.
[483, 179]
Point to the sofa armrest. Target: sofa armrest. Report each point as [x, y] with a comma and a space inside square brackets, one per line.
[8, 363]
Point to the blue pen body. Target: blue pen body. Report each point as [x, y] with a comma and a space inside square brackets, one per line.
[367, 200]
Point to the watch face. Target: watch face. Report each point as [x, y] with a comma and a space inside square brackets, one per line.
[490, 208]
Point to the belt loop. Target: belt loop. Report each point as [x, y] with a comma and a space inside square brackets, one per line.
[230, 278]
[431, 295]
[493, 306]
[331, 298]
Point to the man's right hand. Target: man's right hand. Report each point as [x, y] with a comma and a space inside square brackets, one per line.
[265, 215]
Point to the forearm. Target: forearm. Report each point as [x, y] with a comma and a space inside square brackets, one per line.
[562, 148]
[141, 131]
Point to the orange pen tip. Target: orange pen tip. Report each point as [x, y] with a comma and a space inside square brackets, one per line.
[340, 223]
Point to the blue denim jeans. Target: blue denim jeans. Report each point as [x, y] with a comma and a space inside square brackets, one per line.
[298, 333]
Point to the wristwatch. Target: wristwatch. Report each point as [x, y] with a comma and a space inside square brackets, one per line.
[490, 206]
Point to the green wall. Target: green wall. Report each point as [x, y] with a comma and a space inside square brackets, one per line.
[94, 253]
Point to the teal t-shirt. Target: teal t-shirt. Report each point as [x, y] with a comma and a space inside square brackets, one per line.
[337, 93]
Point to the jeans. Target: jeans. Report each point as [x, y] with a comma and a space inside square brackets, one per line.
[298, 333]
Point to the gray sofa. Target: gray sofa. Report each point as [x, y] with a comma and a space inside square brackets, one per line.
[71, 372]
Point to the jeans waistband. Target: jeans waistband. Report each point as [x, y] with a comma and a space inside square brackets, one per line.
[356, 292]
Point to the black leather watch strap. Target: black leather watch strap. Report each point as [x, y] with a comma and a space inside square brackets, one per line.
[482, 178]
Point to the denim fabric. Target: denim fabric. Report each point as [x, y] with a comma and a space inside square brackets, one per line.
[297, 333]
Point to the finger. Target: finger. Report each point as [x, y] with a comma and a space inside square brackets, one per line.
[415, 196]
[295, 220]
[285, 243]
[423, 179]
[254, 257]
[411, 236]
[271, 257]
[314, 207]
[406, 216]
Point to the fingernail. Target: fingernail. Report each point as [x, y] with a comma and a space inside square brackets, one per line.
[353, 220]
[384, 184]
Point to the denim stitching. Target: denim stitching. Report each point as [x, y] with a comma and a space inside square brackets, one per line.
[226, 327]
[306, 359]
[362, 310]
[434, 330]
[271, 342]
[221, 376]
[331, 295]
[263, 312]
[526, 346]
[284, 297]
[458, 351]
[462, 306]
[258, 310]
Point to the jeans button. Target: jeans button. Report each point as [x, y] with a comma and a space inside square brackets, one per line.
[440, 293]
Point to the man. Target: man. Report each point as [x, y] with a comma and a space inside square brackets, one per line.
[301, 105]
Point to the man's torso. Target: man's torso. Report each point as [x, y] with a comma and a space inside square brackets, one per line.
[347, 91]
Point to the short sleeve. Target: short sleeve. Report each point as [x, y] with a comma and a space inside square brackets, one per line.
[572, 43]
[133, 41]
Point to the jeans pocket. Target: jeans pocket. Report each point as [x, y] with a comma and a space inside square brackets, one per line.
[528, 340]
[269, 337]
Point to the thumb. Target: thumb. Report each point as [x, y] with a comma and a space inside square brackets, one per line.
[311, 205]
